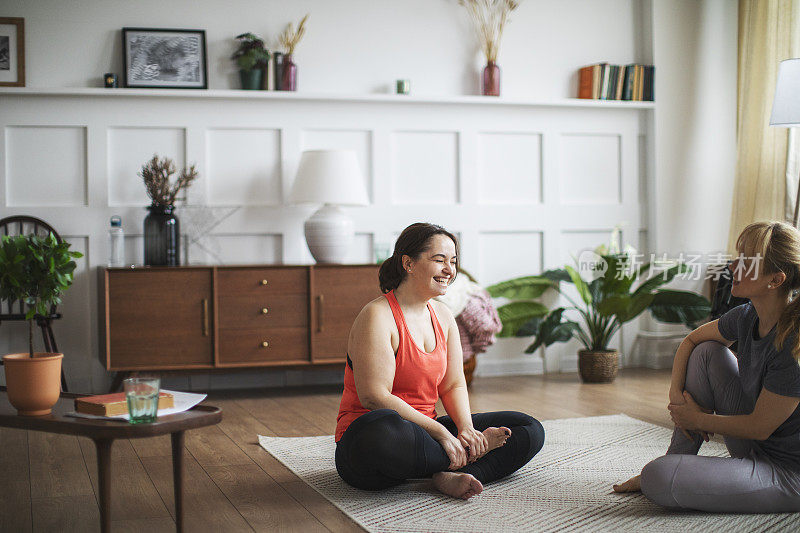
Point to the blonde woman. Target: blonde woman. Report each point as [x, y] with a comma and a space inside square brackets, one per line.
[751, 397]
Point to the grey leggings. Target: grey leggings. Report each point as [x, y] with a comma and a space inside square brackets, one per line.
[746, 482]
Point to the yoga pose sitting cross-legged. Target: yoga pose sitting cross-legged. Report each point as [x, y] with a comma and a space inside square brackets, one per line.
[404, 353]
[751, 398]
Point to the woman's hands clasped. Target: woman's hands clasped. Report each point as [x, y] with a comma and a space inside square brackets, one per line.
[474, 442]
[684, 412]
[454, 449]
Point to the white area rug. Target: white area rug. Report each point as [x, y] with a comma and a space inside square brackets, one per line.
[567, 486]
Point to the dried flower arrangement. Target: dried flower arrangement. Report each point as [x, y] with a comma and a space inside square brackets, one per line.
[156, 174]
[289, 38]
[489, 17]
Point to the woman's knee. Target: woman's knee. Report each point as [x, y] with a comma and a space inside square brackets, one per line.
[658, 477]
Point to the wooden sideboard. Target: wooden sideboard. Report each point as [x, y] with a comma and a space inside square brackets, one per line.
[210, 317]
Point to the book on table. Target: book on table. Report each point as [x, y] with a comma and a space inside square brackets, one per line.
[115, 404]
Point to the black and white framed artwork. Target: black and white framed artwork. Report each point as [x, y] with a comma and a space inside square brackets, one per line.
[165, 58]
[12, 52]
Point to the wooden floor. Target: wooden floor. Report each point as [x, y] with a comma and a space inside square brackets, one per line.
[50, 481]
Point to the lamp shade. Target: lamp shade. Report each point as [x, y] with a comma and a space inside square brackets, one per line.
[786, 105]
[329, 177]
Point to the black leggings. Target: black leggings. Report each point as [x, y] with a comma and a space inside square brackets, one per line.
[380, 449]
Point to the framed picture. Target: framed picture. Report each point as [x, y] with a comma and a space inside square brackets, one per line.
[164, 59]
[12, 52]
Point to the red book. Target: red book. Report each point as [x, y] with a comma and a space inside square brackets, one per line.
[585, 80]
[115, 404]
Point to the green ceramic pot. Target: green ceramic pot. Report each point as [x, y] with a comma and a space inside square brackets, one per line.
[252, 80]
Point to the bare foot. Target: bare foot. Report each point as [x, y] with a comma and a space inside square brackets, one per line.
[457, 484]
[496, 437]
[634, 484]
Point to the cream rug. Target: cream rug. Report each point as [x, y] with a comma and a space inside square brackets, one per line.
[567, 486]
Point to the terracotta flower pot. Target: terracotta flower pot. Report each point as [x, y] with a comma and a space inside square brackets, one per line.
[34, 384]
[598, 366]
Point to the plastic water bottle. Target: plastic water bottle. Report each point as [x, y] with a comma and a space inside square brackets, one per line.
[116, 243]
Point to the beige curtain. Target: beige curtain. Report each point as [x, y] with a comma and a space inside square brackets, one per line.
[766, 29]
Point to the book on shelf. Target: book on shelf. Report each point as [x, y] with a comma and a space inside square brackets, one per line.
[115, 404]
[603, 81]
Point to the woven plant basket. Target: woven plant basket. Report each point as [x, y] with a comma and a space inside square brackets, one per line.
[469, 369]
[598, 367]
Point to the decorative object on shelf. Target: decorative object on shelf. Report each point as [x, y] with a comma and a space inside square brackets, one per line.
[490, 18]
[37, 271]
[199, 221]
[332, 178]
[403, 87]
[617, 82]
[12, 52]
[110, 80]
[164, 58]
[288, 40]
[277, 71]
[786, 107]
[606, 302]
[252, 57]
[161, 226]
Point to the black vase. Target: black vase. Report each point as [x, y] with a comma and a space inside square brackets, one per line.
[162, 236]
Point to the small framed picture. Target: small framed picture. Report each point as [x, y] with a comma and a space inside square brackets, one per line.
[164, 58]
[12, 52]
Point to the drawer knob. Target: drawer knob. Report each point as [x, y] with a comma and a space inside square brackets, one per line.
[264, 344]
[264, 282]
[264, 310]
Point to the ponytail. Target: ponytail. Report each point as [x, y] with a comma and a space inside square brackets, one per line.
[788, 324]
[391, 274]
[414, 240]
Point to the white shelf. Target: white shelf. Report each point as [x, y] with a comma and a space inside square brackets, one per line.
[227, 94]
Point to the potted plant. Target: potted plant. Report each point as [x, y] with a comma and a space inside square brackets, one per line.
[161, 227]
[252, 57]
[36, 270]
[605, 303]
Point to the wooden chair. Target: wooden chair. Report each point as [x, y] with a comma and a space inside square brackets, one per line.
[9, 311]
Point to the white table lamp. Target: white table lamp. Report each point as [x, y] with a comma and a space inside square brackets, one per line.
[331, 178]
[786, 105]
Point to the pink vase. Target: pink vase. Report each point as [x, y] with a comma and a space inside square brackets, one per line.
[491, 80]
[289, 74]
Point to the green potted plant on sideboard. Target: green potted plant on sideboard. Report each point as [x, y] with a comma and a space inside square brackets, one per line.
[36, 270]
[252, 58]
[604, 304]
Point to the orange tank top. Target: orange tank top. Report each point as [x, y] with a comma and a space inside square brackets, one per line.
[417, 373]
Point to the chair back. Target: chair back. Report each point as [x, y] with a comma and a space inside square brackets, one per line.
[23, 225]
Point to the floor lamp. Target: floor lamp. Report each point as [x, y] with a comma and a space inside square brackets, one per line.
[786, 107]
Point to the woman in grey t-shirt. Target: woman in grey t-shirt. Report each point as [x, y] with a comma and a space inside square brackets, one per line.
[751, 397]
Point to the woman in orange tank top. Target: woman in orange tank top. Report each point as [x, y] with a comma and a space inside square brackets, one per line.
[404, 353]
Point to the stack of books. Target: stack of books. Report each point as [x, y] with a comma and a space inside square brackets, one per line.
[617, 82]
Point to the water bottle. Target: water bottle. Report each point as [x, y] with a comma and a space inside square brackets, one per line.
[116, 243]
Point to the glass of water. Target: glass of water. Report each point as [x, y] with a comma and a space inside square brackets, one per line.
[142, 396]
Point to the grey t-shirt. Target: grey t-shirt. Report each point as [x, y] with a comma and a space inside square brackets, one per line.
[761, 365]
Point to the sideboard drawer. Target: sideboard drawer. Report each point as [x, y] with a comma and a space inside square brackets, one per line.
[267, 311]
[262, 281]
[254, 346]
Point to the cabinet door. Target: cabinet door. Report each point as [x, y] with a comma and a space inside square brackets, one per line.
[263, 316]
[339, 294]
[159, 319]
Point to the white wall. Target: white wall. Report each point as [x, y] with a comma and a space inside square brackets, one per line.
[556, 155]
[351, 46]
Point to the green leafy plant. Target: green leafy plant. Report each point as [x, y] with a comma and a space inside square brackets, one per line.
[36, 270]
[251, 53]
[605, 303]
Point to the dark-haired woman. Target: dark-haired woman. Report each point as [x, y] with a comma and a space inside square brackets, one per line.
[404, 354]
